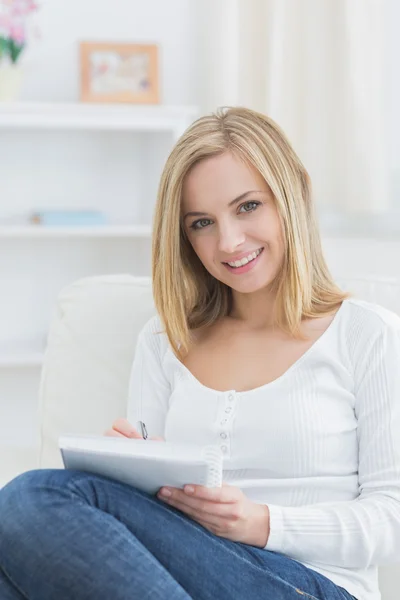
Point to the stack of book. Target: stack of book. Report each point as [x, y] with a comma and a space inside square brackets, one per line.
[68, 218]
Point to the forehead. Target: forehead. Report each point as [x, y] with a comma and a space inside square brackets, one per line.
[220, 178]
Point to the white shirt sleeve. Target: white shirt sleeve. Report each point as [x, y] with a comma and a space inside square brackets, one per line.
[363, 532]
[149, 390]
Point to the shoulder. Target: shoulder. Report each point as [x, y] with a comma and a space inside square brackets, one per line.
[369, 317]
[152, 326]
[371, 333]
[153, 336]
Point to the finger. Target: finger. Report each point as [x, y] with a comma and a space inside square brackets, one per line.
[113, 433]
[212, 528]
[123, 426]
[207, 519]
[202, 507]
[225, 494]
[190, 511]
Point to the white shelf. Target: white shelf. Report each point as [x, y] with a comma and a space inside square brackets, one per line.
[103, 231]
[82, 116]
[16, 361]
[74, 151]
[22, 353]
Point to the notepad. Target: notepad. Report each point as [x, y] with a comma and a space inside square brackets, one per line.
[146, 464]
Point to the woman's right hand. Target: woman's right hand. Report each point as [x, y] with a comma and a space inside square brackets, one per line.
[122, 428]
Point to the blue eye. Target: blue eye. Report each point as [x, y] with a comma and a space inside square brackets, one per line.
[199, 224]
[249, 206]
[253, 205]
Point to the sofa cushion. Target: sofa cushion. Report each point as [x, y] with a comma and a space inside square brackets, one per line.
[88, 358]
[91, 344]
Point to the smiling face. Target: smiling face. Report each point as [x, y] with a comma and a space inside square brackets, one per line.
[229, 216]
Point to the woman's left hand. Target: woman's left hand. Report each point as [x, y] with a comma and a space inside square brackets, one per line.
[224, 511]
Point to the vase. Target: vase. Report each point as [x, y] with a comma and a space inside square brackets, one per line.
[10, 82]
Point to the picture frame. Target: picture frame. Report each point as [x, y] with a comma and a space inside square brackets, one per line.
[119, 72]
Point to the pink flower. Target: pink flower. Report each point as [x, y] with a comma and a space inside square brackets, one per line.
[19, 8]
[5, 23]
[13, 18]
[17, 33]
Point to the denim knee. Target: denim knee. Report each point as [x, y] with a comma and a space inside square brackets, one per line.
[17, 499]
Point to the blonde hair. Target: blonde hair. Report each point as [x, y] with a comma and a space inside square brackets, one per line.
[186, 296]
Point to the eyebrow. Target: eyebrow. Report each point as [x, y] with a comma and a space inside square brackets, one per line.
[231, 203]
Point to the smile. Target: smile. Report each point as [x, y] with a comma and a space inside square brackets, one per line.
[245, 260]
[245, 264]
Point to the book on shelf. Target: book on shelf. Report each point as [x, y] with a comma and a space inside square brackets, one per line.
[68, 218]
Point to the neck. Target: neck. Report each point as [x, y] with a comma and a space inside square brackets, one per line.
[253, 310]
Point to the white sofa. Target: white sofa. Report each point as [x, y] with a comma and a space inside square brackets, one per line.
[90, 349]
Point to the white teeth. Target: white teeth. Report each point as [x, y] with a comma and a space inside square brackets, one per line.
[245, 260]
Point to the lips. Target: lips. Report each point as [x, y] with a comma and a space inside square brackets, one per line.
[249, 266]
[243, 255]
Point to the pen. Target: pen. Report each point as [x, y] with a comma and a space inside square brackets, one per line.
[143, 429]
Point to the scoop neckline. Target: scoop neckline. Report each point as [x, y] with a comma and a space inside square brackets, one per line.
[278, 380]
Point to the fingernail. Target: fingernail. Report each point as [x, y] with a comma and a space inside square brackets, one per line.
[165, 492]
[189, 489]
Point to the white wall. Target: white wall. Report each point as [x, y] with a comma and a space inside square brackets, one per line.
[392, 77]
[52, 63]
[363, 256]
[83, 170]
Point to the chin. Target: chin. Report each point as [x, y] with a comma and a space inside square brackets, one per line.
[245, 287]
[250, 288]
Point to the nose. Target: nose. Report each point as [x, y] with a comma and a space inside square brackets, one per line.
[231, 237]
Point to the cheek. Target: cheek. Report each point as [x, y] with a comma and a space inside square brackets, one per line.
[203, 248]
[272, 235]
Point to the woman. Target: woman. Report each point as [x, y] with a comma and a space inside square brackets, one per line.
[256, 349]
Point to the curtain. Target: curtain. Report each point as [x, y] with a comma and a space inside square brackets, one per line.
[316, 68]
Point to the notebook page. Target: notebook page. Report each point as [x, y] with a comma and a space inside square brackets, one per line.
[150, 448]
[147, 465]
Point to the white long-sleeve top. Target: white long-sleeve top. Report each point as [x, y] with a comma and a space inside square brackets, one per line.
[319, 445]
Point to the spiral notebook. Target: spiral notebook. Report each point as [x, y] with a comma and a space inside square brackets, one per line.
[146, 464]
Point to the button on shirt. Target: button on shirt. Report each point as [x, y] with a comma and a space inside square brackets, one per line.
[320, 445]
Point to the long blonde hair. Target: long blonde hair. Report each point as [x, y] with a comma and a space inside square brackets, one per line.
[186, 296]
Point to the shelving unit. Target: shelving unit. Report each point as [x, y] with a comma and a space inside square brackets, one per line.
[106, 231]
[68, 156]
[96, 117]
[26, 359]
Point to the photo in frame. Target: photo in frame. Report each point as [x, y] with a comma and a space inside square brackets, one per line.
[118, 72]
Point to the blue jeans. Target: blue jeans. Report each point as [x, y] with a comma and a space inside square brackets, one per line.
[72, 535]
